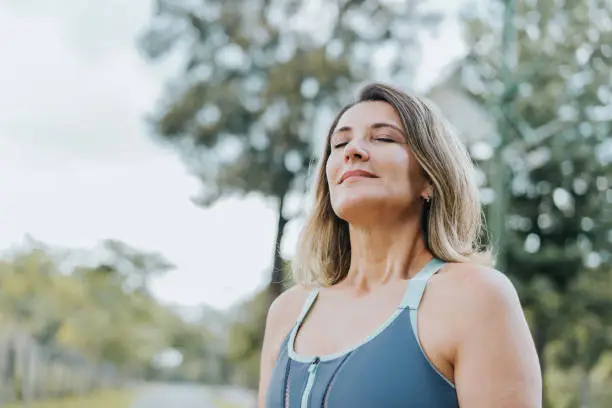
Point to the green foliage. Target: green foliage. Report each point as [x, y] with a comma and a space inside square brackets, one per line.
[245, 339]
[103, 312]
[560, 174]
[556, 102]
[587, 332]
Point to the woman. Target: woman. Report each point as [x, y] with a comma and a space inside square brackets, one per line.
[396, 211]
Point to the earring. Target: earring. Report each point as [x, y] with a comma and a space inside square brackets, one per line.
[426, 198]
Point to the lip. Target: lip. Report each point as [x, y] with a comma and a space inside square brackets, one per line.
[357, 173]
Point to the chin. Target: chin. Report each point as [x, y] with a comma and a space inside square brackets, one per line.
[355, 208]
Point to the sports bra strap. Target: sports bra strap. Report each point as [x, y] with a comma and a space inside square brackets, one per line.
[411, 299]
[307, 305]
[416, 285]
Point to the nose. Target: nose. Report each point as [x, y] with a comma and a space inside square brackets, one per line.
[355, 151]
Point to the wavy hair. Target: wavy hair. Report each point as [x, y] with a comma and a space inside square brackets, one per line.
[452, 221]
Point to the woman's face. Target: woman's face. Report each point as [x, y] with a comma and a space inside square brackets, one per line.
[371, 171]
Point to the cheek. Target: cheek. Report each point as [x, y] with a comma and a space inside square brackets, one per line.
[400, 157]
[332, 167]
[400, 165]
[416, 178]
[404, 173]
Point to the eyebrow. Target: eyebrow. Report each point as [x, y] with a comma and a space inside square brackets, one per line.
[377, 125]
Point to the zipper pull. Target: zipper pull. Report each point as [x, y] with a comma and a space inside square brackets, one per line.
[313, 365]
[312, 373]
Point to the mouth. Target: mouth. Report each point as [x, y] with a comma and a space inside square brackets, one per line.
[356, 173]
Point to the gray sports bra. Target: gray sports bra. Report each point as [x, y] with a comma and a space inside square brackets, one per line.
[388, 369]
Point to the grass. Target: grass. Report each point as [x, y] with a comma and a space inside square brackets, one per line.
[221, 403]
[105, 399]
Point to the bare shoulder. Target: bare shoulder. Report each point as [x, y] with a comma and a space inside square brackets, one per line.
[492, 341]
[286, 308]
[468, 298]
[476, 286]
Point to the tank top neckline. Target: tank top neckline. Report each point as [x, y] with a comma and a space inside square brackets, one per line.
[410, 300]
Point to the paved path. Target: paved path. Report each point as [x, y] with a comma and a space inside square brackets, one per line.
[166, 396]
[191, 396]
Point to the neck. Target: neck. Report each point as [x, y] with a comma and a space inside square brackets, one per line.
[382, 253]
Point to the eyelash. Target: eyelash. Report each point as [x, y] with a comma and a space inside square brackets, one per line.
[382, 139]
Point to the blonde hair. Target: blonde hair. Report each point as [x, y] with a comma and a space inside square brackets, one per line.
[452, 221]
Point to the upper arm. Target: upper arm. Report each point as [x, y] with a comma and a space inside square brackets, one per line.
[496, 363]
[281, 316]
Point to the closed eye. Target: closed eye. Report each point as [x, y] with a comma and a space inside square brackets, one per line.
[338, 145]
[385, 139]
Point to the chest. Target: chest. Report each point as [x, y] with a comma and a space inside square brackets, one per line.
[389, 371]
[335, 325]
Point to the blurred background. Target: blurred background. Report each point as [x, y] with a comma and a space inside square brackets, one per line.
[155, 156]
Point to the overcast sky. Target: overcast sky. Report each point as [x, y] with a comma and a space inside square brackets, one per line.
[77, 165]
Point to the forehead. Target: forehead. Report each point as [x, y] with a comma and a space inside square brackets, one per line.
[368, 112]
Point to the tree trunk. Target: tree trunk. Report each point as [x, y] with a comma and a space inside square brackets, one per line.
[276, 286]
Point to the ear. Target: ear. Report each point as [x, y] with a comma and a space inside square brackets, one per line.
[427, 192]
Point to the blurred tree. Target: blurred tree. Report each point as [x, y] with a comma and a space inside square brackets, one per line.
[245, 338]
[558, 149]
[117, 323]
[586, 336]
[258, 75]
[24, 279]
[201, 361]
[92, 310]
[135, 266]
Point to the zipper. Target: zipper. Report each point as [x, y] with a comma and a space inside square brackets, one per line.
[312, 373]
